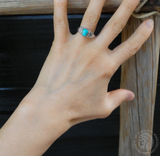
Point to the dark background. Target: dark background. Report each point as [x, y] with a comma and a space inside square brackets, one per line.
[25, 42]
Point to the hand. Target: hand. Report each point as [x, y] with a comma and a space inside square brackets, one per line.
[72, 85]
[74, 79]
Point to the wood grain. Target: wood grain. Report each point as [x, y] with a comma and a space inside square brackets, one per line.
[18, 7]
[139, 74]
[12, 7]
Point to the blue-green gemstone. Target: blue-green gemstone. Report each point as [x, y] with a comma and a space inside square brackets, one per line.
[85, 32]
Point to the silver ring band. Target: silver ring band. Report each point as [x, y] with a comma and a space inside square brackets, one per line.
[85, 32]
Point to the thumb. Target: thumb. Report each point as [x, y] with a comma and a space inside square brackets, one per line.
[116, 97]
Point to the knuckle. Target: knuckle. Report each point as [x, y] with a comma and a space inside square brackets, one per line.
[112, 66]
[142, 36]
[91, 18]
[116, 26]
[132, 47]
[59, 3]
[59, 21]
[123, 95]
[131, 4]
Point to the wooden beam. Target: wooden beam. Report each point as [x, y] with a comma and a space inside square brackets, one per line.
[12, 7]
[139, 74]
[18, 7]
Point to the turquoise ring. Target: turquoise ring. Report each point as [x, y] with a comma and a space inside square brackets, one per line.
[85, 32]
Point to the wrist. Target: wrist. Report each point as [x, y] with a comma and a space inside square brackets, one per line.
[53, 122]
[31, 127]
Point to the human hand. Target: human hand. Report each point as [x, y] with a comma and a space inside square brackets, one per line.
[72, 85]
[74, 79]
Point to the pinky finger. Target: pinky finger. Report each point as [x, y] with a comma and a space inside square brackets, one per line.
[129, 48]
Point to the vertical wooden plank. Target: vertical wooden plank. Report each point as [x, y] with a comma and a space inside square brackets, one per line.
[139, 74]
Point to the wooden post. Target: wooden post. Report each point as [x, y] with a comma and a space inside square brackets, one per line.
[139, 74]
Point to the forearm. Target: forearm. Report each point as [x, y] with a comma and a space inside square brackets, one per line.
[26, 133]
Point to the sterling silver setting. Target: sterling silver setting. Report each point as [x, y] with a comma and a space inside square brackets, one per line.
[89, 34]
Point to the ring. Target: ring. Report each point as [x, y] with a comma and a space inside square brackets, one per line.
[85, 32]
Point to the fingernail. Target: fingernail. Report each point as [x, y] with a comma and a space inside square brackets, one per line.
[130, 97]
[149, 23]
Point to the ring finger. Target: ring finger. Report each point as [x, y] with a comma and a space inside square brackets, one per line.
[92, 14]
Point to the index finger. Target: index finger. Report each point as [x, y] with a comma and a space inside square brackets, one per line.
[118, 21]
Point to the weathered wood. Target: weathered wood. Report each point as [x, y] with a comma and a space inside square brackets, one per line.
[15, 7]
[139, 74]
[46, 7]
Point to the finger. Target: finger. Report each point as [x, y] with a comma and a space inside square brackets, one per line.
[118, 21]
[116, 97]
[92, 14]
[61, 27]
[129, 48]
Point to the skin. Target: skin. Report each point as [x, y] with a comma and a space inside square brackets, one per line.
[73, 83]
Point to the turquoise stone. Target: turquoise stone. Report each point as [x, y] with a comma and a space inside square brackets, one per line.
[85, 32]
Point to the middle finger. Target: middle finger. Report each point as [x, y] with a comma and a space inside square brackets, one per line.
[118, 21]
